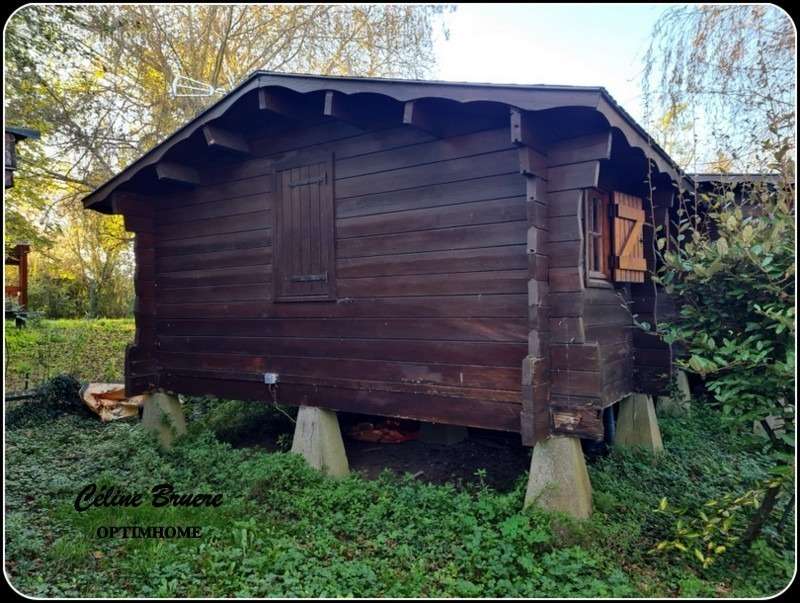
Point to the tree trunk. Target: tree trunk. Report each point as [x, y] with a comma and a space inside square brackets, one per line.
[761, 516]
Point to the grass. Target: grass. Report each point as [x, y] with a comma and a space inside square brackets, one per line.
[284, 530]
[88, 349]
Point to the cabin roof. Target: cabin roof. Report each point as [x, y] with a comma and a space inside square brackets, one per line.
[535, 97]
[736, 178]
[22, 133]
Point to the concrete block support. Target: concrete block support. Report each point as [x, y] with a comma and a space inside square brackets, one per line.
[447, 435]
[318, 439]
[637, 424]
[679, 403]
[558, 479]
[162, 414]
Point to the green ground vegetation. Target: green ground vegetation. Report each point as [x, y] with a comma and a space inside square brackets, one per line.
[88, 349]
[285, 530]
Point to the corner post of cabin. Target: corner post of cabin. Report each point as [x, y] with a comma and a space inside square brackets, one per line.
[558, 479]
[162, 413]
[637, 422]
[534, 422]
[141, 371]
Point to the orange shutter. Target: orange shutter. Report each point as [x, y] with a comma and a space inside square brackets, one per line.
[628, 258]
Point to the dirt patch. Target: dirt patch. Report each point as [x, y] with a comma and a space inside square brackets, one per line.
[500, 455]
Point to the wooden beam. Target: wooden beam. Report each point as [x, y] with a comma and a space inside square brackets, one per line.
[175, 172]
[532, 163]
[418, 115]
[584, 148]
[225, 140]
[363, 113]
[132, 204]
[337, 105]
[287, 103]
[523, 132]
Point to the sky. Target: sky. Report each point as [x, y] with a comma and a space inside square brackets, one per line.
[577, 44]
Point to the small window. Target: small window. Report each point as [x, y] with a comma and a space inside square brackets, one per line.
[303, 251]
[598, 235]
[614, 238]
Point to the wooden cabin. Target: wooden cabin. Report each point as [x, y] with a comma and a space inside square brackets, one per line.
[465, 254]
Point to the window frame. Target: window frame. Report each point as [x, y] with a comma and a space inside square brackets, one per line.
[596, 204]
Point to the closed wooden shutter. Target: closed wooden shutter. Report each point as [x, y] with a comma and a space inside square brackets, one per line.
[628, 259]
[303, 261]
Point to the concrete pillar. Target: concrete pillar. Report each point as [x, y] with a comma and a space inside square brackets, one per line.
[437, 433]
[637, 424]
[318, 439]
[679, 403]
[162, 413]
[558, 479]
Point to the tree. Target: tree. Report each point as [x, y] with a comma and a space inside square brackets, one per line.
[96, 82]
[730, 71]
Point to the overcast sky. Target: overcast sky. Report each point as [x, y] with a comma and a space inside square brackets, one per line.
[579, 44]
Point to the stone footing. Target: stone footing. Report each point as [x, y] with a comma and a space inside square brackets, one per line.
[318, 439]
[162, 414]
[637, 424]
[558, 479]
[679, 404]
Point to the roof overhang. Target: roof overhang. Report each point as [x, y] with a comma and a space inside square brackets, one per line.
[531, 98]
[22, 133]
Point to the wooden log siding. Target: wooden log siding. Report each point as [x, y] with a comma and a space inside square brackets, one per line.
[141, 368]
[588, 325]
[536, 364]
[431, 318]
[653, 357]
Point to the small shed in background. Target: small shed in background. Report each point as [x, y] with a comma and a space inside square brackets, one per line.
[13, 135]
[16, 290]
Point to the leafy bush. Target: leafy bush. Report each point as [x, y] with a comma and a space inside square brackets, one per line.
[734, 280]
[731, 269]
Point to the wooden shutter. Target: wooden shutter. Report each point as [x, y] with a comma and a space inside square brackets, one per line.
[628, 260]
[303, 262]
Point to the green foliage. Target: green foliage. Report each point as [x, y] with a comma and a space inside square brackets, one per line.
[734, 282]
[89, 350]
[731, 269]
[238, 422]
[716, 528]
[285, 530]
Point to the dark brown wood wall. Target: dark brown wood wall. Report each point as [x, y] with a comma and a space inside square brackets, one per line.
[652, 357]
[590, 326]
[431, 320]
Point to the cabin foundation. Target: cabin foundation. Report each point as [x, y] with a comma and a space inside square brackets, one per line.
[163, 415]
[678, 404]
[637, 424]
[445, 435]
[318, 439]
[558, 479]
